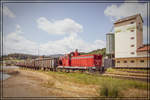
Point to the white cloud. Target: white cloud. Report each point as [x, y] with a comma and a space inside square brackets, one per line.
[65, 26]
[8, 12]
[126, 9]
[69, 43]
[66, 44]
[115, 12]
[16, 43]
[18, 29]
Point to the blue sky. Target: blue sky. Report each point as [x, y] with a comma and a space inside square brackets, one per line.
[81, 13]
[61, 27]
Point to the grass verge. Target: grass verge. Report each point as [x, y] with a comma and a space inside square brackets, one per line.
[109, 87]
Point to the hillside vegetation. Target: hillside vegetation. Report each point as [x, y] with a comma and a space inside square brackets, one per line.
[98, 51]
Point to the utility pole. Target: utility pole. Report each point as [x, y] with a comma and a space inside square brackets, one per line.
[38, 51]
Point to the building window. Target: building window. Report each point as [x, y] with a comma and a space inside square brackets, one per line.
[141, 61]
[118, 61]
[125, 61]
[132, 45]
[141, 29]
[131, 22]
[132, 61]
[132, 38]
[132, 52]
[132, 30]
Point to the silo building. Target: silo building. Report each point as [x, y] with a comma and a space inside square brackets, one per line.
[110, 43]
[110, 46]
[129, 48]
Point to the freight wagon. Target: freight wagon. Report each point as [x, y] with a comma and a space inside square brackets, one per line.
[22, 64]
[46, 63]
[42, 63]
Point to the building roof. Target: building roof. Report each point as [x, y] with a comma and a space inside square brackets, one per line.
[110, 33]
[144, 48]
[128, 18]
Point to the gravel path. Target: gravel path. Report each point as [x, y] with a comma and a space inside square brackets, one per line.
[25, 83]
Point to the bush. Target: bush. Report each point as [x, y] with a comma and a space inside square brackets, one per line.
[110, 88]
[110, 70]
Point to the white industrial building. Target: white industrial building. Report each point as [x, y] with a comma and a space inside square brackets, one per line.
[129, 48]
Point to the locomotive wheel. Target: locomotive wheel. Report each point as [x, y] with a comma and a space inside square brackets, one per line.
[55, 69]
[63, 70]
[58, 70]
[68, 71]
[82, 70]
[73, 70]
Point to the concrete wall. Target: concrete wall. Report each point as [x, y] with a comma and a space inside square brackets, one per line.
[137, 62]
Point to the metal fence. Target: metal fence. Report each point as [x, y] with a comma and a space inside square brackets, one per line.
[109, 63]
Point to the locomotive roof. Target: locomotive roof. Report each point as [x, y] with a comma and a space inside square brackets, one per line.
[88, 55]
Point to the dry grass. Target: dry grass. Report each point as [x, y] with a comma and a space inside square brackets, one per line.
[81, 84]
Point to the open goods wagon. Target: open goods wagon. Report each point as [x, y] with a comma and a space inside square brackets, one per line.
[22, 64]
[42, 63]
[46, 63]
[29, 63]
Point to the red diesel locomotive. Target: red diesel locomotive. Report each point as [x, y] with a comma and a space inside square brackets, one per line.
[76, 61]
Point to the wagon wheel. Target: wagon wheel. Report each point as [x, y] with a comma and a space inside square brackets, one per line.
[91, 70]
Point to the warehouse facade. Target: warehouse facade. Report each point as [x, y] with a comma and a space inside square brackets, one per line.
[129, 48]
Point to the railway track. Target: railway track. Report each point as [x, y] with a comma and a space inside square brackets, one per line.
[131, 68]
[141, 76]
[134, 75]
[123, 74]
[147, 79]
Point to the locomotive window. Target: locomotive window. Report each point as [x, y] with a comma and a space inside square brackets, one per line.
[82, 57]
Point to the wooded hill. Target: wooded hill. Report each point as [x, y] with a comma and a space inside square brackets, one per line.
[98, 51]
[21, 56]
